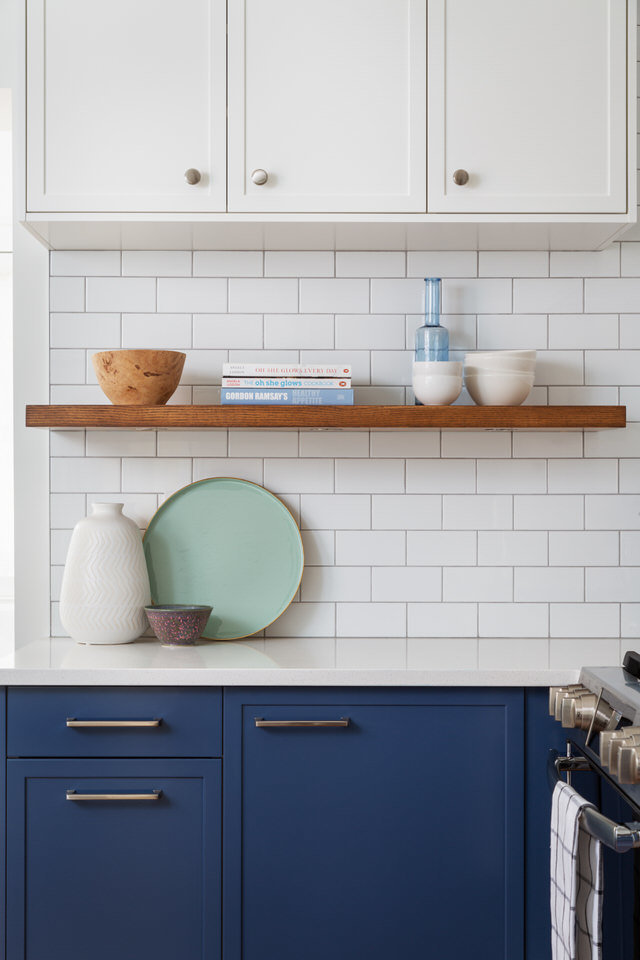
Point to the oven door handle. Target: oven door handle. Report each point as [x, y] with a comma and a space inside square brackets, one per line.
[617, 836]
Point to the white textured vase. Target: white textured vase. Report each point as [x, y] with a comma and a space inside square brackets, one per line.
[105, 585]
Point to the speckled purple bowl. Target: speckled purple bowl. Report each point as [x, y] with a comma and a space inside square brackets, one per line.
[178, 624]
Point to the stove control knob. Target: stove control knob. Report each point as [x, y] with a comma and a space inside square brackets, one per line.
[573, 711]
[607, 737]
[629, 764]
[558, 694]
[632, 740]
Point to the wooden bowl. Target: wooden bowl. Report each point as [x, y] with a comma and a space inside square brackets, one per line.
[141, 377]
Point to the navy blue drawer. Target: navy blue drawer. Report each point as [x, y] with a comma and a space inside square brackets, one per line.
[114, 722]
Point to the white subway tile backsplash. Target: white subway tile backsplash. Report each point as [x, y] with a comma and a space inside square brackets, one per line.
[299, 263]
[583, 476]
[121, 443]
[117, 294]
[404, 584]
[452, 537]
[441, 548]
[370, 264]
[477, 512]
[334, 296]
[442, 620]
[548, 584]
[566, 653]
[309, 332]
[77, 474]
[615, 584]
[448, 263]
[513, 263]
[570, 331]
[99, 331]
[83, 263]
[192, 443]
[369, 476]
[319, 548]
[512, 332]
[464, 584]
[192, 295]
[158, 475]
[369, 331]
[339, 512]
[227, 331]
[227, 263]
[154, 263]
[512, 476]
[299, 476]
[512, 548]
[547, 296]
[67, 443]
[513, 620]
[477, 296]
[425, 653]
[377, 548]
[406, 512]
[550, 512]
[156, 331]
[583, 548]
[585, 620]
[67, 294]
[405, 443]
[601, 263]
[619, 296]
[242, 469]
[474, 443]
[441, 476]
[334, 443]
[513, 653]
[336, 583]
[529, 443]
[630, 330]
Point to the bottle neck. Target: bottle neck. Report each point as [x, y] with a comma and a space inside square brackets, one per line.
[432, 301]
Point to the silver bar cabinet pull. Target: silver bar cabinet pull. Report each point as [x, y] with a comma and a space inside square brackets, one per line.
[72, 722]
[342, 722]
[154, 795]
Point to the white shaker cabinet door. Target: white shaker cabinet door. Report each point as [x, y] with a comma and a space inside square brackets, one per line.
[327, 100]
[125, 96]
[529, 98]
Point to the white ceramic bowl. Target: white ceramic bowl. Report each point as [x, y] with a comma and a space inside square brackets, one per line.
[477, 369]
[499, 389]
[522, 354]
[499, 361]
[437, 382]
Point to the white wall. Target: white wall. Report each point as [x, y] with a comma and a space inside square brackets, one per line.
[452, 549]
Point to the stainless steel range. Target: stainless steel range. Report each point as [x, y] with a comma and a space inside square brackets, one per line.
[603, 711]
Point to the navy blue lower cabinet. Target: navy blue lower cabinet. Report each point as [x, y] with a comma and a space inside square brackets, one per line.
[115, 877]
[399, 834]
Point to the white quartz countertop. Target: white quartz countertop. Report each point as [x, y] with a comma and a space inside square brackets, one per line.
[234, 663]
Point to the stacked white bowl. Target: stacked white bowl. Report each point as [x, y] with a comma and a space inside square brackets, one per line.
[500, 378]
[437, 382]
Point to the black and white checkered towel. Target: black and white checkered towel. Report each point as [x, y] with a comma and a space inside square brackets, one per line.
[576, 881]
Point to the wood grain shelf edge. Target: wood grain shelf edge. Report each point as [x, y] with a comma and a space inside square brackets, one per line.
[103, 416]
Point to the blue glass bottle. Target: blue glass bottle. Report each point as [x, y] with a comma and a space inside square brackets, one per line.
[432, 339]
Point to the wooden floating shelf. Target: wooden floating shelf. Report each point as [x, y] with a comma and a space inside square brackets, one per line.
[103, 416]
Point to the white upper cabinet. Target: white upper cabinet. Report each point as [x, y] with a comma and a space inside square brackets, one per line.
[327, 100]
[529, 97]
[125, 96]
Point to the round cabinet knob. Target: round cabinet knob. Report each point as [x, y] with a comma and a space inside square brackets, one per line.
[192, 176]
[460, 177]
[259, 177]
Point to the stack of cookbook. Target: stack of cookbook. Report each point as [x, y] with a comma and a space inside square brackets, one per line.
[286, 383]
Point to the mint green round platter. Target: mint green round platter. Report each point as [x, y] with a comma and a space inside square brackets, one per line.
[228, 543]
